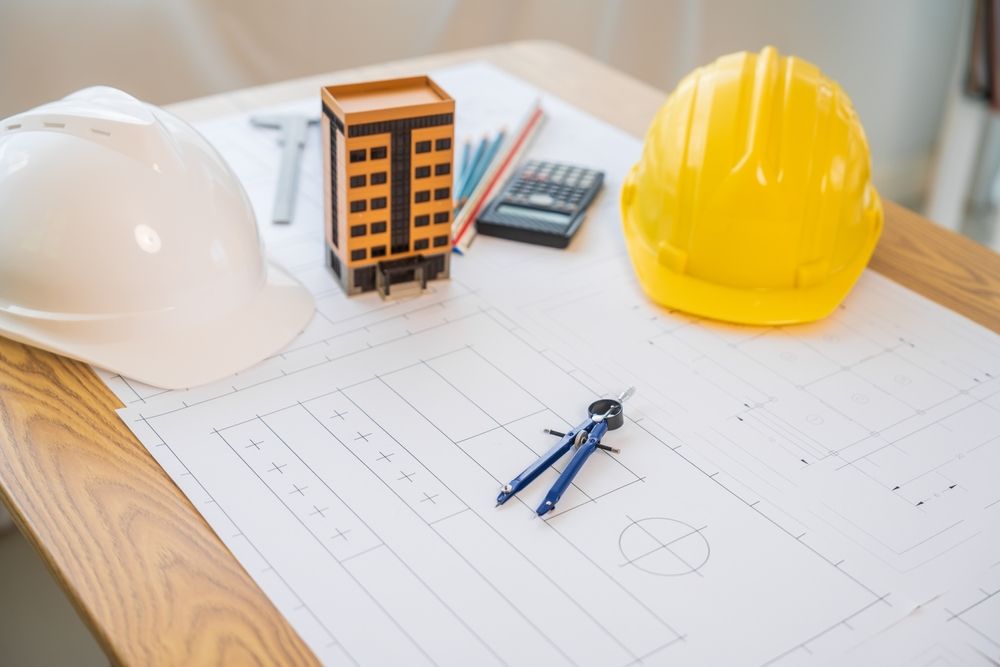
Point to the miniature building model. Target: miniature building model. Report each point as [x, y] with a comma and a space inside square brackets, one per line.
[388, 174]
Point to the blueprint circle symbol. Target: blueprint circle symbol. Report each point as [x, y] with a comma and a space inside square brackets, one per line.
[664, 547]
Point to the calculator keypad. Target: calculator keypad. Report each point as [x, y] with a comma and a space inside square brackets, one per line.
[553, 186]
[544, 203]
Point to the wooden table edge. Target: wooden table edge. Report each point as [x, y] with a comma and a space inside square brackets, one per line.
[935, 262]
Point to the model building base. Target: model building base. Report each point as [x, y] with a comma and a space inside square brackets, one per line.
[384, 276]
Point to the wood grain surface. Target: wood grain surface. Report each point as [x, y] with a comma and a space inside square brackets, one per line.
[147, 574]
[944, 266]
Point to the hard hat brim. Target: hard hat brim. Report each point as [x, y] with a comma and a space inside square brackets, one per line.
[741, 306]
[160, 352]
[763, 307]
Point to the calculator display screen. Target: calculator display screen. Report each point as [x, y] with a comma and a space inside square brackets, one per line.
[537, 214]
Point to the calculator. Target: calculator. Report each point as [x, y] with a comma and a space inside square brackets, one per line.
[543, 203]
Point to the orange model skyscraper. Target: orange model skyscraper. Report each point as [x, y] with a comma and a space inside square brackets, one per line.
[387, 165]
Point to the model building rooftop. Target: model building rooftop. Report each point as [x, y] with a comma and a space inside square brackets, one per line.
[385, 95]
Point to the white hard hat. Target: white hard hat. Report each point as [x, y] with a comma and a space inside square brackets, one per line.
[126, 241]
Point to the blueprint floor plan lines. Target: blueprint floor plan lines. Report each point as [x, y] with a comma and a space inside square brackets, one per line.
[664, 547]
[817, 494]
[979, 616]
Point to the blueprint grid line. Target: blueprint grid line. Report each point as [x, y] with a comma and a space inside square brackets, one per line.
[805, 644]
[973, 605]
[327, 359]
[503, 427]
[496, 479]
[239, 533]
[458, 552]
[866, 443]
[662, 545]
[526, 506]
[940, 419]
[326, 341]
[593, 499]
[977, 631]
[520, 386]
[712, 476]
[777, 525]
[466, 508]
[913, 567]
[403, 562]
[665, 546]
[323, 545]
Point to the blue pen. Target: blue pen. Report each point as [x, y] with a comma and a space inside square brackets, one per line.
[467, 173]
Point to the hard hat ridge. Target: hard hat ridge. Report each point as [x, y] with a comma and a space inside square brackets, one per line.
[752, 201]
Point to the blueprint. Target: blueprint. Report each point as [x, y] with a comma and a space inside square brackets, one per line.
[817, 494]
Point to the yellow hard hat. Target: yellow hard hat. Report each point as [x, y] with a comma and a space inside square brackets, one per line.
[752, 201]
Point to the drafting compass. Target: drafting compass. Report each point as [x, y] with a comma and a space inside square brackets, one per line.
[605, 415]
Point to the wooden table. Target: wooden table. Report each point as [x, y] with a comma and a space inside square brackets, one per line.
[147, 574]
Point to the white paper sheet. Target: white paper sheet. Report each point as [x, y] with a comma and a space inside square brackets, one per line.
[816, 493]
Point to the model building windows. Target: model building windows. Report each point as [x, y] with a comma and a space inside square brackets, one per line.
[385, 166]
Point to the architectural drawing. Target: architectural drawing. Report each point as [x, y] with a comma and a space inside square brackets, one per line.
[783, 496]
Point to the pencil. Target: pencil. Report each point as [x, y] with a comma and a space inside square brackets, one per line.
[463, 230]
[466, 155]
[467, 174]
[480, 168]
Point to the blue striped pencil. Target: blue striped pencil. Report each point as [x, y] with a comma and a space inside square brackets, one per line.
[477, 156]
[466, 156]
[479, 169]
